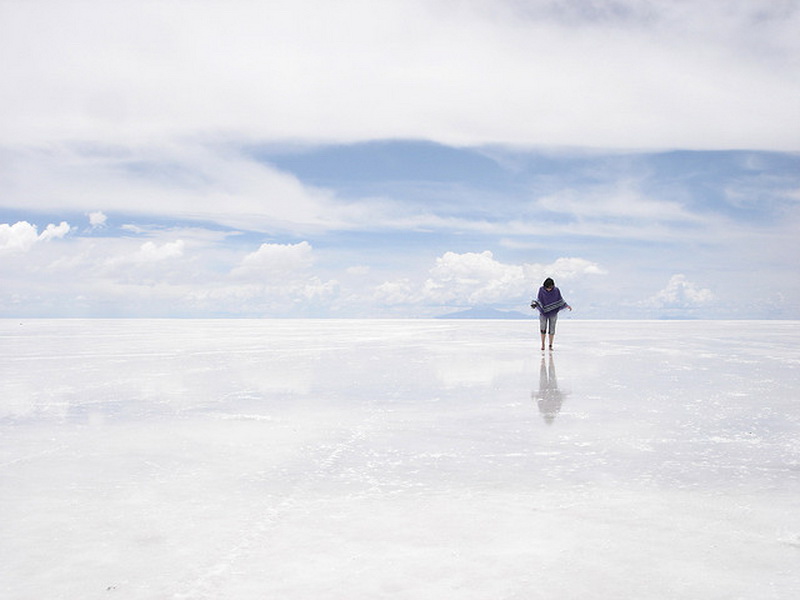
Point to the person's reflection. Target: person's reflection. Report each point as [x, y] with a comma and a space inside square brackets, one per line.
[549, 397]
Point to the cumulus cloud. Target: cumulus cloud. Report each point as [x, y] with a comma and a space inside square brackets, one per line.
[52, 232]
[572, 268]
[276, 279]
[477, 278]
[276, 260]
[17, 237]
[681, 293]
[97, 219]
[21, 236]
[151, 252]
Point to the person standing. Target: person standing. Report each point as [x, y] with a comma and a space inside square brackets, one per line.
[549, 302]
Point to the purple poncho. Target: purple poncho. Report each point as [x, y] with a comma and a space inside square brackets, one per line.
[550, 302]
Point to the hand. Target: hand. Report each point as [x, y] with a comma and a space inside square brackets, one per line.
[569, 307]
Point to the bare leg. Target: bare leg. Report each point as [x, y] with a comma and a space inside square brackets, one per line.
[543, 335]
[552, 335]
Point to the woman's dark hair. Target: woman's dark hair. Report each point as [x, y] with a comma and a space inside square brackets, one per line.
[548, 283]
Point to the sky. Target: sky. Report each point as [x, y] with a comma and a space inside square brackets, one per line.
[399, 158]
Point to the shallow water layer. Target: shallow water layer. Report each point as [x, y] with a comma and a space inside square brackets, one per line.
[398, 459]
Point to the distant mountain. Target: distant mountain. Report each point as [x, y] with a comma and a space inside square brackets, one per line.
[485, 313]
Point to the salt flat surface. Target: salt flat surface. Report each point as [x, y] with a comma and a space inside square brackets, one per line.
[399, 459]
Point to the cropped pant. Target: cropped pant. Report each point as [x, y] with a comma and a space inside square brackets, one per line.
[547, 323]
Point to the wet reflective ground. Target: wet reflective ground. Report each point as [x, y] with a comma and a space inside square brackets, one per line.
[399, 459]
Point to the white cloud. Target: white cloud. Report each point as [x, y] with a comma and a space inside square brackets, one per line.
[17, 237]
[52, 232]
[148, 253]
[473, 279]
[573, 268]
[151, 252]
[276, 260]
[119, 267]
[400, 291]
[276, 279]
[21, 236]
[681, 294]
[693, 74]
[620, 201]
[179, 181]
[97, 219]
